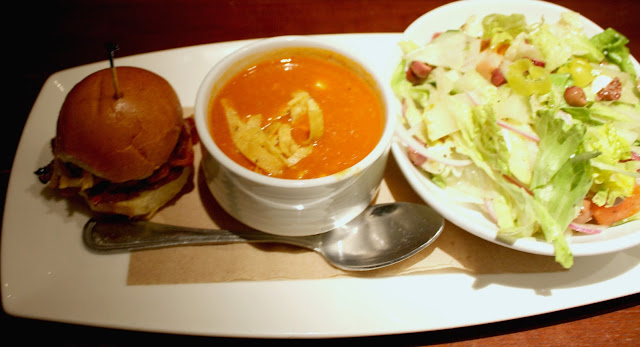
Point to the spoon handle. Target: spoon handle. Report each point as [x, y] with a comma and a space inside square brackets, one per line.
[107, 235]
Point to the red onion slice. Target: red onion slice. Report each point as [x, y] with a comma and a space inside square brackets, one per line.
[419, 148]
[587, 228]
[505, 125]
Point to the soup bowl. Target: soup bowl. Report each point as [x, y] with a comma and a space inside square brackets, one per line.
[289, 206]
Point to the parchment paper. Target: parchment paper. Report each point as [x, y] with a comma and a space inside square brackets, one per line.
[454, 250]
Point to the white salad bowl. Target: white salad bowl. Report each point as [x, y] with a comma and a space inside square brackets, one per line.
[287, 206]
[468, 216]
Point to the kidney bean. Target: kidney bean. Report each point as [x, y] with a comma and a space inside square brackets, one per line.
[574, 96]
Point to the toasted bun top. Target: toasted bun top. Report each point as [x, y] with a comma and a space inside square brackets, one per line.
[119, 139]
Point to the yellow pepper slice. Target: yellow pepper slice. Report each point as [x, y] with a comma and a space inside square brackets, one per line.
[525, 78]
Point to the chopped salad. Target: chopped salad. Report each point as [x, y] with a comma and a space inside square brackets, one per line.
[535, 123]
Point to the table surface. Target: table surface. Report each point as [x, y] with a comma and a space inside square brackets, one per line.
[62, 34]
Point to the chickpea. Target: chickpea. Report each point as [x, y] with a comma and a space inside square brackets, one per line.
[574, 96]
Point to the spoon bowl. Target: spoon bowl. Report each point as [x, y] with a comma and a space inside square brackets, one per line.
[380, 236]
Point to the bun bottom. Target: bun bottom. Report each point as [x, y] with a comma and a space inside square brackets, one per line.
[148, 202]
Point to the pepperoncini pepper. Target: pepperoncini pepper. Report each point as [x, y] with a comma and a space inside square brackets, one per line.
[525, 78]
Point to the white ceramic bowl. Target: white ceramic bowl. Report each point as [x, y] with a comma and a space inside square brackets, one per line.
[466, 216]
[287, 206]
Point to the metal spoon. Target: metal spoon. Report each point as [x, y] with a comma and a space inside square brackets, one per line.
[381, 235]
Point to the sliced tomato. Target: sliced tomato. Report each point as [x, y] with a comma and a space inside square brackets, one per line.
[609, 215]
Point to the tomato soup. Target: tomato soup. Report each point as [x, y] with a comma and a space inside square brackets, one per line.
[351, 108]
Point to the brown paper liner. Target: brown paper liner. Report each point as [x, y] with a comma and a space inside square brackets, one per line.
[454, 250]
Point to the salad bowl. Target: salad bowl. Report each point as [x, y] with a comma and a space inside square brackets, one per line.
[466, 211]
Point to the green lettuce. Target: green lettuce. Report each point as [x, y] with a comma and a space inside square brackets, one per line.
[562, 177]
[450, 49]
[555, 51]
[614, 176]
[558, 142]
[503, 28]
[614, 47]
[558, 43]
[570, 29]
[561, 197]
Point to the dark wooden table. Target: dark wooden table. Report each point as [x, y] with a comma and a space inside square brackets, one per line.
[56, 35]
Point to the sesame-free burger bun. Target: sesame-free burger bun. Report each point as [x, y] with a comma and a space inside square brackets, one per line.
[119, 138]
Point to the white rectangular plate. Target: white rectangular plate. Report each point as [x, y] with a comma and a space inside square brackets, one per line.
[48, 274]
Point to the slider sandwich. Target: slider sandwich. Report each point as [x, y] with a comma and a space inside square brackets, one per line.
[122, 143]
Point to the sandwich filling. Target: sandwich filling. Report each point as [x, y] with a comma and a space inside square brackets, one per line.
[70, 179]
